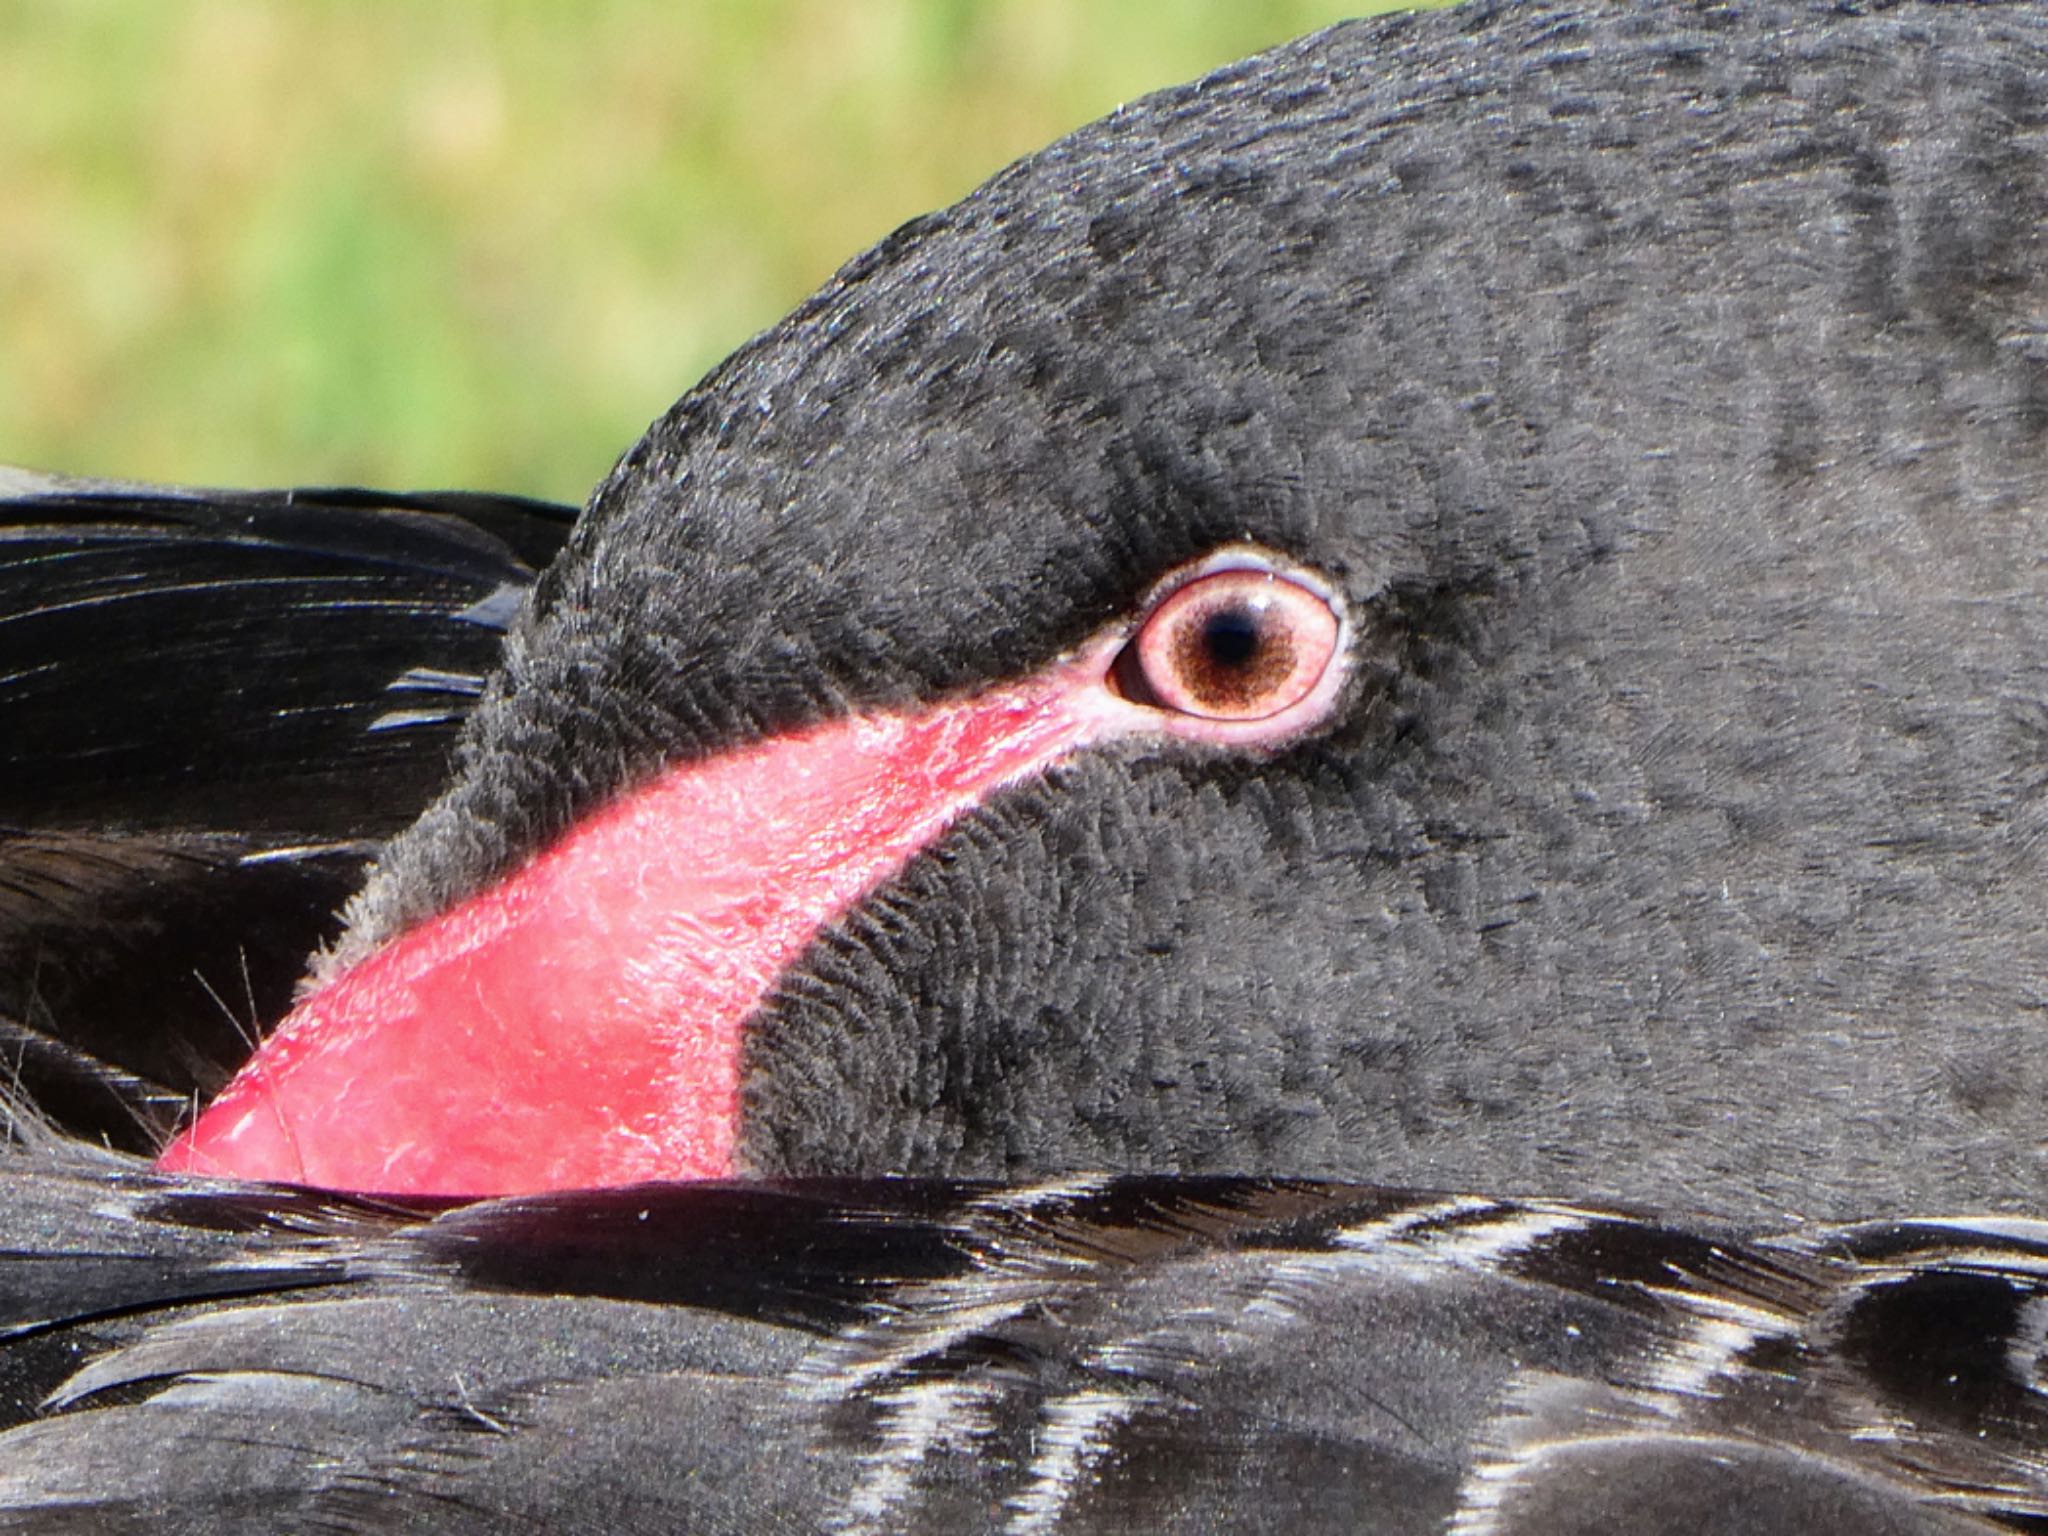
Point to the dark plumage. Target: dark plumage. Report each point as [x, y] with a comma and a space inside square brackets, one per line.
[216, 706]
[1661, 387]
[1103, 1355]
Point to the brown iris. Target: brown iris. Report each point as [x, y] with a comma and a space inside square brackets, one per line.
[1236, 644]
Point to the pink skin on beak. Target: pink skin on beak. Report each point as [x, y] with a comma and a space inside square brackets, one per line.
[581, 1022]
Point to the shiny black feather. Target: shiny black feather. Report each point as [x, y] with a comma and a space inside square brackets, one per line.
[216, 705]
[1093, 1355]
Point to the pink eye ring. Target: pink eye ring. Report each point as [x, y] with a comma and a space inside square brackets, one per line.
[1235, 645]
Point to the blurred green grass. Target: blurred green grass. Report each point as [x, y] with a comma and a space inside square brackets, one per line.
[483, 242]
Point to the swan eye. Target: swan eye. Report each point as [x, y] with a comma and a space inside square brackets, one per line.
[1240, 644]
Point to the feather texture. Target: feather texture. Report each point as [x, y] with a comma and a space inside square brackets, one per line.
[216, 705]
[1087, 1355]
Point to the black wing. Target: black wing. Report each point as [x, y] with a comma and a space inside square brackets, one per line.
[212, 707]
[1100, 1355]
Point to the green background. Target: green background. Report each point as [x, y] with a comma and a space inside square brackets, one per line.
[482, 244]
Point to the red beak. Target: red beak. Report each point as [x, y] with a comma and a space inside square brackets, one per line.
[581, 1022]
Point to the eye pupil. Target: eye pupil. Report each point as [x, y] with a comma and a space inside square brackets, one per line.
[1231, 656]
[1231, 638]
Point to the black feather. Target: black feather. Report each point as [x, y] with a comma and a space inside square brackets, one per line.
[1098, 1355]
[216, 704]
